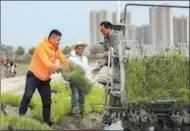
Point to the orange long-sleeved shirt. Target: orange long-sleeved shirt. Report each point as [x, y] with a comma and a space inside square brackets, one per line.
[43, 60]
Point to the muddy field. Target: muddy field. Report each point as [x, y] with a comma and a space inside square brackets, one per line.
[16, 85]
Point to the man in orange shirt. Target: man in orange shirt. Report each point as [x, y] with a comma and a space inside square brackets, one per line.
[39, 72]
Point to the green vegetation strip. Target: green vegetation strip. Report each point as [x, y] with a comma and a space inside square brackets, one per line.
[159, 77]
[21, 123]
[61, 106]
[76, 76]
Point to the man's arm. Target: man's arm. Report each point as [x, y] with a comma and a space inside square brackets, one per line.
[44, 58]
[115, 41]
[63, 59]
[104, 53]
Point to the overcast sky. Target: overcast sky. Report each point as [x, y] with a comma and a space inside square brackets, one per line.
[26, 23]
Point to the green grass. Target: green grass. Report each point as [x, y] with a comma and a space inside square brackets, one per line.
[94, 100]
[158, 79]
[61, 108]
[22, 67]
[76, 76]
[9, 99]
[36, 108]
[61, 102]
[5, 121]
[60, 87]
[22, 123]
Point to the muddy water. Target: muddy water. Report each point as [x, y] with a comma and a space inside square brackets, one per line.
[115, 126]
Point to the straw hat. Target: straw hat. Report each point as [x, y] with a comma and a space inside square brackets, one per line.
[79, 44]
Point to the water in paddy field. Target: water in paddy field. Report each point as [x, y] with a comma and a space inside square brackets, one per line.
[117, 126]
[114, 126]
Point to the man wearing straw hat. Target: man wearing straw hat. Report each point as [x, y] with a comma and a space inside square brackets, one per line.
[77, 58]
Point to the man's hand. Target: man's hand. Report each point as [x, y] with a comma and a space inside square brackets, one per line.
[106, 54]
[95, 71]
[71, 65]
[64, 67]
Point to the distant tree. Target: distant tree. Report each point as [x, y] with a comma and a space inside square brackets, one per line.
[96, 49]
[66, 50]
[19, 54]
[7, 50]
[31, 50]
[20, 51]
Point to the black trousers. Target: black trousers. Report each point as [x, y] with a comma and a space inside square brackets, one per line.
[32, 82]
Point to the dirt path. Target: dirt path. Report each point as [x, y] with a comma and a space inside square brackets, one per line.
[12, 85]
[16, 85]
